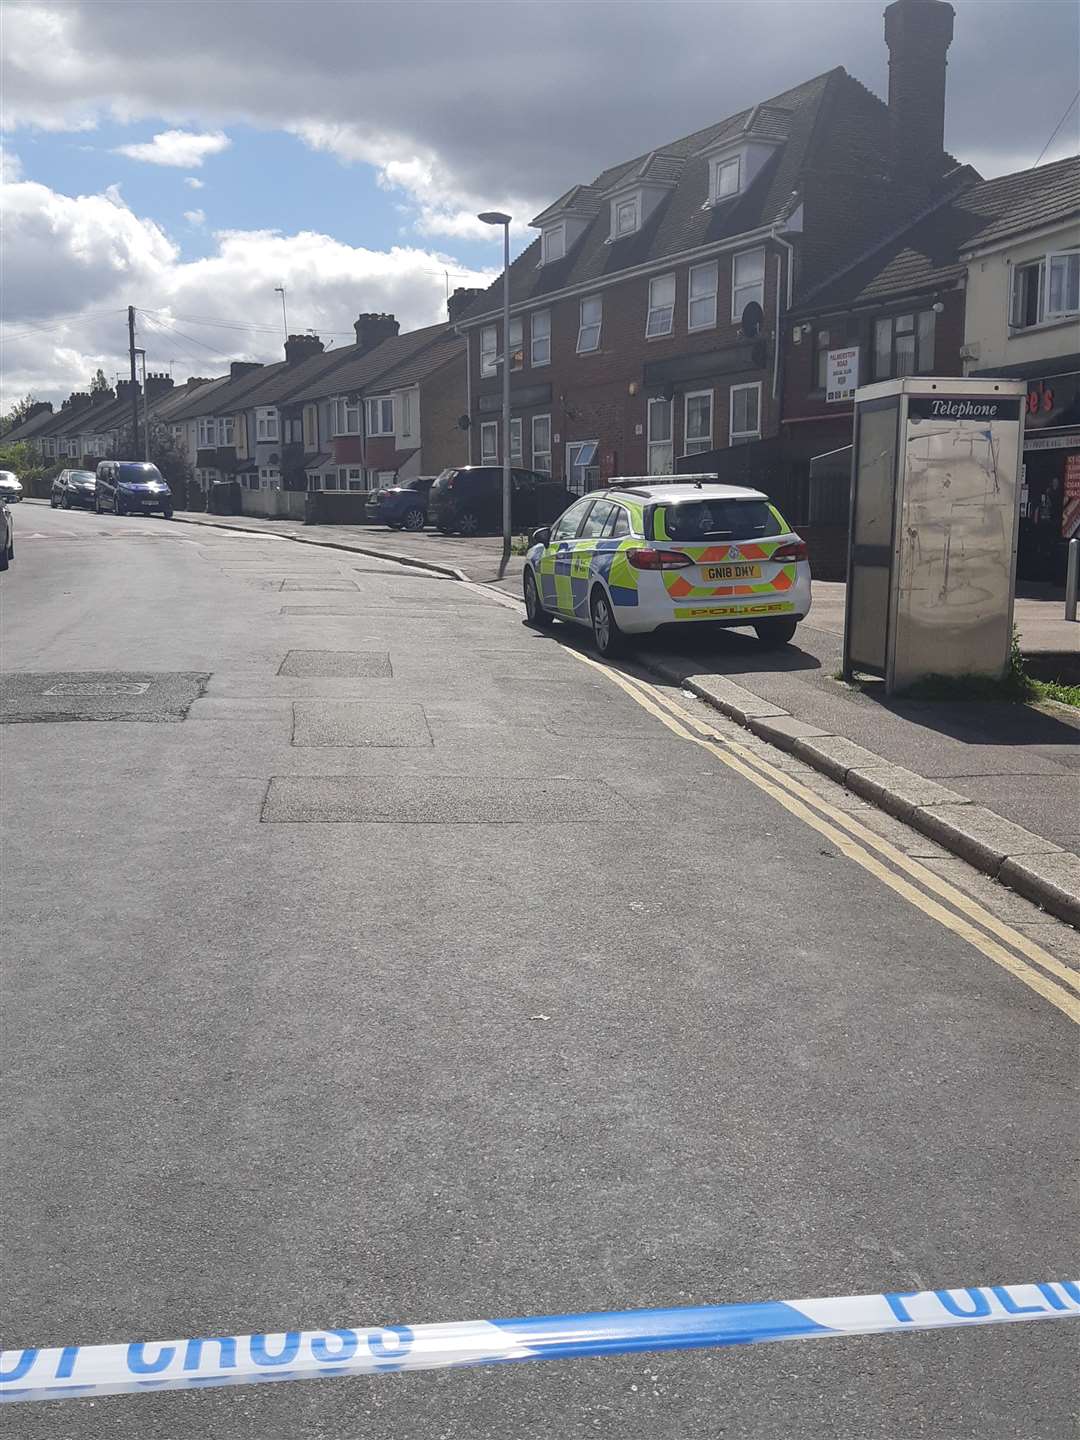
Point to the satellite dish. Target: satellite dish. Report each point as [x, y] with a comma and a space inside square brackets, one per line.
[752, 319]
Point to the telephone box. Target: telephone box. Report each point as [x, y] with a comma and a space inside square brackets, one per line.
[935, 497]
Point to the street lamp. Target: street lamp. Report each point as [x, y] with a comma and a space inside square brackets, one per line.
[496, 217]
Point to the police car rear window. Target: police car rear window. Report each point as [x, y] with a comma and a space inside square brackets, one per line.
[718, 520]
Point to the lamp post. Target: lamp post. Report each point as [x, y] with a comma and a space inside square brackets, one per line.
[496, 217]
[280, 290]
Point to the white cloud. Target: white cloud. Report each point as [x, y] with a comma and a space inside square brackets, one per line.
[73, 264]
[10, 166]
[182, 148]
[194, 183]
[195, 217]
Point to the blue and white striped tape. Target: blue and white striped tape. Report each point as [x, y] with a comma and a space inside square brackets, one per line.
[78, 1370]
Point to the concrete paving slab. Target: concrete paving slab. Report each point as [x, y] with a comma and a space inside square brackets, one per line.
[439, 800]
[351, 722]
[322, 663]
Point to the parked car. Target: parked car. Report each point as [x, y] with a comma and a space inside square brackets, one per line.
[468, 499]
[10, 487]
[131, 485]
[7, 537]
[650, 552]
[404, 506]
[73, 487]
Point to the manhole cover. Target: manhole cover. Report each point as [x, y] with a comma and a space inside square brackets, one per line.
[100, 695]
[99, 687]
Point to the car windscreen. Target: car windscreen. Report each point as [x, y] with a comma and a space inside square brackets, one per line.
[80, 477]
[443, 479]
[716, 519]
[134, 474]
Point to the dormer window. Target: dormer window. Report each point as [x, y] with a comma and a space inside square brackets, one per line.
[552, 244]
[624, 217]
[726, 175]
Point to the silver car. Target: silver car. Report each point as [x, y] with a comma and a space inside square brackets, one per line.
[11, 489]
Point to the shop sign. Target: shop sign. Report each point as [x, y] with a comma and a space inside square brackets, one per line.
[1054, 400]
[843, 375]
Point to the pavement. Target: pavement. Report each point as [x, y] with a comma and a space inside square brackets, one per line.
[370, 958]
[1015, 770]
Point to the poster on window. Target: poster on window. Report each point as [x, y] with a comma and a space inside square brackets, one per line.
[842, 378]
[1070, 509]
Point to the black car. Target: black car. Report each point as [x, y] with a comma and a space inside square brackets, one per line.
[73, 487]
[468, 499]
[125, 486]
[404, 506]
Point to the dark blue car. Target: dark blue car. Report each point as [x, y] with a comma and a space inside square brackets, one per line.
[404, 506]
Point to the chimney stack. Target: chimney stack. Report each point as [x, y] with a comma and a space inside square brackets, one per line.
[241, 367]
[460, 301]
[918, 33]
[124, 389]
[299, 348]
[157, 385]
[37, 407]
[372, 330]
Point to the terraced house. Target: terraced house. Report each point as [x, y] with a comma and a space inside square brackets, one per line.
[647, 318]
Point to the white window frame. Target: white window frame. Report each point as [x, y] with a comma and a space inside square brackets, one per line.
[207, 434]
[355, 478]
[489, 428]
[552, 244]
[707, 297]
[406, 412]
[658, 309]
[311, 426]
[227, 430]
[345, 416]
[656, 404]
[542, 356]
[540, 455]
[515, 441]
[1071, 255]
[628, 206]
[699, 444]
[740, 435]
[574, 449]
[586, 327]
[489, 350]
[516, 347]
[380, 415]
[266, 424]
[748, 290]
[719, 167]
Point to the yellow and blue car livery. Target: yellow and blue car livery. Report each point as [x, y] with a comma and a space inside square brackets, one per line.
[629, 543]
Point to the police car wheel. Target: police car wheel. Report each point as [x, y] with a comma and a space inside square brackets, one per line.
[772, 634]
[607, 637]
[535, 614]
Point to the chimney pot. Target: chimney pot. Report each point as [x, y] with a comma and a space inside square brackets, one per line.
[372, 330]
[299, 348]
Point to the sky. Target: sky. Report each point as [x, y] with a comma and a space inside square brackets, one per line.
[188, 157]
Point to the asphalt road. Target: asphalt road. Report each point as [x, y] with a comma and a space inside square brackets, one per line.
[420, 974]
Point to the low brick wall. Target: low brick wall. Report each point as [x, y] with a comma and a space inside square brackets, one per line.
[273, 504]
[326, 508]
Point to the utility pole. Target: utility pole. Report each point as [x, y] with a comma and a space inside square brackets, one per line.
[280, 290]
[134, 383]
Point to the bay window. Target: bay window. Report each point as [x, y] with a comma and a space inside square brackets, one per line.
[345, 416]
[207, 434]
[226, 430]
[380, 415]
[266, 424]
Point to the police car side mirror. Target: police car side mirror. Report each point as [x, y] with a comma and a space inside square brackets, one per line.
[541, 535]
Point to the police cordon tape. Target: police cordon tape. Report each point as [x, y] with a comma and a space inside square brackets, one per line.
[80, 1370]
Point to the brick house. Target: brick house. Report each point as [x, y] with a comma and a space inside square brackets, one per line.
[647, 320]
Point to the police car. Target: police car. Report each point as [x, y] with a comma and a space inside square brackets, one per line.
[654, 551]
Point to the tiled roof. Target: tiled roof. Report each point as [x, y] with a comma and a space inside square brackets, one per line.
[579, 200]
[226, 398]
[363, 371]
[926, 256]
[285, 381]
[167, 407]
[425, 362]
[29, 427]
[679, 222]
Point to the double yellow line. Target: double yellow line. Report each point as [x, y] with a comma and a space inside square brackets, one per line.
[1023, 958]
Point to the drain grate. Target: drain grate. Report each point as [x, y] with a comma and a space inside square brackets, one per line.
[100, 695]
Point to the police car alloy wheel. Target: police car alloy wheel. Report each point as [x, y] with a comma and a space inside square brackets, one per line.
[606, 633]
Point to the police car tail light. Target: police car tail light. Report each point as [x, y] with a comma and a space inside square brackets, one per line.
[649, 559]
[790, 550]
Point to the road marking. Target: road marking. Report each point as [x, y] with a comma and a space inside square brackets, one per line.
[857, 844]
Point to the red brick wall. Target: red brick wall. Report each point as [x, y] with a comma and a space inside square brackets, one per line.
[380, 452]
[348, 449]
[590, 393]
[443, 401]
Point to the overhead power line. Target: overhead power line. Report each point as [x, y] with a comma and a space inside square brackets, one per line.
[1057, 127]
